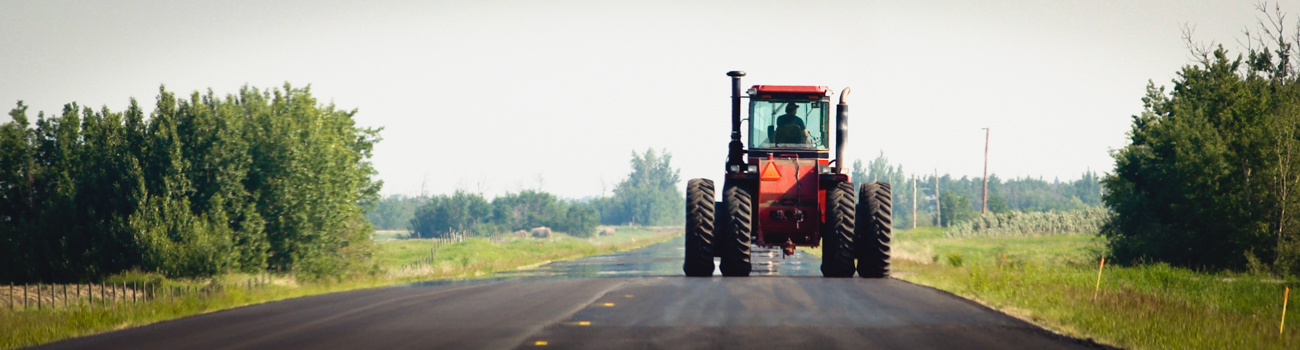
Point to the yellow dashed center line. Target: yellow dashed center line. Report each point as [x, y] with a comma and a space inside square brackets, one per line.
[539, 343]
[584, 323]
[629, 296]
[609, 304]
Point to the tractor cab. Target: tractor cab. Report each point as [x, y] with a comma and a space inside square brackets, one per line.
[789, 118]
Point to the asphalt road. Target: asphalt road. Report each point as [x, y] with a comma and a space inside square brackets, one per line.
[629, 300]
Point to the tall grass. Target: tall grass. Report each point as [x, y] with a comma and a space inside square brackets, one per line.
[1049, 280]
[1017, 223]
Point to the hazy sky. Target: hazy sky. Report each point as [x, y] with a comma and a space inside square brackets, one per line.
[494, 95]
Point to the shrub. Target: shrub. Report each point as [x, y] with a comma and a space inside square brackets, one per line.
[1018, 223]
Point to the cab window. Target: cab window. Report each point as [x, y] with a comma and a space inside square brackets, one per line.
[788, 124]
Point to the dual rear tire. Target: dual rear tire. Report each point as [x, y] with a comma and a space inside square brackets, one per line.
[859, 231]
[875, 229]
[718, 229]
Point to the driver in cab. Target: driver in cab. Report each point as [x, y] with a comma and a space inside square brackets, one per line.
[789, 127]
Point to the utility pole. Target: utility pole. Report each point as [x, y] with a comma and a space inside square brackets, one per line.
[913, 200]
[984, 203]
[938, 213]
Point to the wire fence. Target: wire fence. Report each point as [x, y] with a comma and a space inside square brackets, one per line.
[21, 298]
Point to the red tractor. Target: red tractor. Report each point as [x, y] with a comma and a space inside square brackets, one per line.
[785, 191]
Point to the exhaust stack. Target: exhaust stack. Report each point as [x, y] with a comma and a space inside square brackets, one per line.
[841, 130]
[736, 149]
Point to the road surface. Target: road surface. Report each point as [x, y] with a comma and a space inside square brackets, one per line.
[630, 300]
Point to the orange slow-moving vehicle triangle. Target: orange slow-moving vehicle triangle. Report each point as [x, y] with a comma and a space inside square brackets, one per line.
[770, 172]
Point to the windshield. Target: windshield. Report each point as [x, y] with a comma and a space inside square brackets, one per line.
[788, 124]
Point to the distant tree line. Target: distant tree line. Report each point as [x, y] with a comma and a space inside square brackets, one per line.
[394, 212]
[1211, 174]
[648, 196]
[959, 198]
[465, 213]
[258, 180]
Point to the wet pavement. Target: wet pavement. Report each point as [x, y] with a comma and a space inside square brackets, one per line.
[665, 259]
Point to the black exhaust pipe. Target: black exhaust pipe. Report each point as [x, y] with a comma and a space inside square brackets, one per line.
[841, 130]
[736, 149]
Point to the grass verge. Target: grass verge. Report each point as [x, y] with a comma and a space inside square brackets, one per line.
[1050, 281]
[401, 261]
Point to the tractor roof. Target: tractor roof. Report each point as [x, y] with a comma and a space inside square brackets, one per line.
[791, 89]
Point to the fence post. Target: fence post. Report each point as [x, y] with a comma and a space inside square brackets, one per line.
[38, 296]
[65, 295]
[24, 297]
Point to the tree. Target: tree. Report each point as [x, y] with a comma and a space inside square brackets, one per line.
[1208, 179]
[649, 195]
[202, 186]
[956, 208]
[445, 216]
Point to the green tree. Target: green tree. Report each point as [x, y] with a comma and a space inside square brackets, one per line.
[956, 208]
[202, 186]
[446, 216]
[1208, 178]
[649, 195]
[527, 209]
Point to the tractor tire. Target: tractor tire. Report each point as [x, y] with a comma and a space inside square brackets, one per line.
[838, 232]
[875, 229]
[734, 245]
[699, 228]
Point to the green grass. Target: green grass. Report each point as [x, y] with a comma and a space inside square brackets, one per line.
[1050, 280]
[481, 256]
[400, 261]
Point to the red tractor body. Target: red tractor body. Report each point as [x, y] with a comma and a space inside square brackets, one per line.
[790, 202]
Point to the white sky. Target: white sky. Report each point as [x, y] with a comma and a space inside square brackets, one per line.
[494, 94]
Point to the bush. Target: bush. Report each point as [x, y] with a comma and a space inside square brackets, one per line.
[1019, 224]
